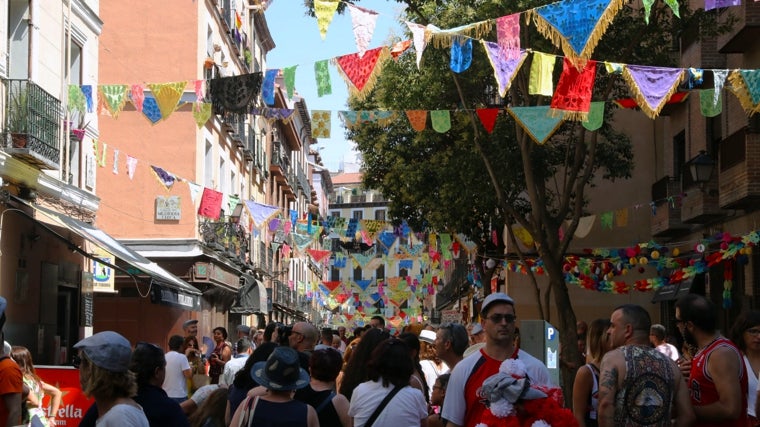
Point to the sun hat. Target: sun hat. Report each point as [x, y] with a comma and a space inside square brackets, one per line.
[427, 336]
[281, 371]
[107, 350]
[496, 297]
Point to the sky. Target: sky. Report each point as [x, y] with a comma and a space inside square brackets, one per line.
[298, 42]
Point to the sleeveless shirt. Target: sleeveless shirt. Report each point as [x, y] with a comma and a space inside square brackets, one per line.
[647, 394]
[702, 388]
[279, 414]
[593, 404]
[328, 416]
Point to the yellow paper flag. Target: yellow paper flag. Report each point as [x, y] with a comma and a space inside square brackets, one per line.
[325, 10]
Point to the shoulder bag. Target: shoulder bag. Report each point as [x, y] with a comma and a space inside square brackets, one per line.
[382, 406]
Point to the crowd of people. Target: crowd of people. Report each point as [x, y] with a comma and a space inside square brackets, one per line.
[299, 375]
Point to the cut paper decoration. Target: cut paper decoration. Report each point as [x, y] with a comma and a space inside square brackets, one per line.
[585, 224]
[652, 86]
[195, 190]
[322, 74]
[167, 96]
[461, 55]
[541, 70]
[673, 4]
[719, 78]
[595, 118]
[318, 255]
[102, 158]
[235, 94]
[324, 11]
[166, 178]
[201, 113]
[363, 284]
[211, 204]
[137, 96]
[400, 47]
[260, 213]
[272, 114]
[621, 217]
[746, 85]
[87, 92]
[320, 123]
[706, 105]
[508, 35]
[714, 4]
[440, 120]
[417, 119]
[289, 77]
[574, 89]
[360, 73]
[353, 118]
[631, 103]
[420, 41]
[696, 77]
[114, 97]
[332, 285]
[115, 167]
[537, 121]
[76, 99]
[198, 85]
[363, 22]
[267, 87]
[131, 166]
[488, 117]
[576, 26]
[613, 67]
[444, 37]
[79, 133]
[150, 110]
[606, 220]
[503, 68]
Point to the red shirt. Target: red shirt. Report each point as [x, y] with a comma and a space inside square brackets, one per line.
[702, 388]
[11, 381]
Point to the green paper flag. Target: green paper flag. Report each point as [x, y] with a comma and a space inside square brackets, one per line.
[441, 120]
[606, 220]
[322, 74]
[595, 116]
[707, 103]
[201, 113]
[537, 121]
[541, 70]
[289, 75]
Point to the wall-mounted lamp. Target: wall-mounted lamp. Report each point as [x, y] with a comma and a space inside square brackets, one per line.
[701, 168]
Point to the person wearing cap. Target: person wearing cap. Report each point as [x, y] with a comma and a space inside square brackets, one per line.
[104, 375]
[272, 403]
[450, 343]
[477, 334]
[462, 405]
[432, 365]
[11, 380]
[190, 328]
[149, 365]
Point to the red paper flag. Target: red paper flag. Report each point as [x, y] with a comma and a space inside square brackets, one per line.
[331, 285]
[573, 94]
[211, 204]
[488, 117]
[360, 73]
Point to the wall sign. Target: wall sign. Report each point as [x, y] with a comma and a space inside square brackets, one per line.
[168, 208]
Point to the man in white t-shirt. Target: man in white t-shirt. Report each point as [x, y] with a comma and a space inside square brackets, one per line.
[177, 371]
[243, 349]
[657, 338]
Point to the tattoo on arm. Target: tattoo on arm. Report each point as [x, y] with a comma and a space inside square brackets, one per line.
[609, 379]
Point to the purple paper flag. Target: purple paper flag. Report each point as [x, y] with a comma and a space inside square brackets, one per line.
[714, 4]
[164, 177]
[652, 86]
[503, 68]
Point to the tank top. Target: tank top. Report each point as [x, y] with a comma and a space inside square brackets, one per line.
[327, 414]
[215, 370]
[647, 394]
[702, 388]
[279, 414]
[593, 405]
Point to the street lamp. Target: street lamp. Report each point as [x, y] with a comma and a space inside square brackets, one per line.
[701, 168]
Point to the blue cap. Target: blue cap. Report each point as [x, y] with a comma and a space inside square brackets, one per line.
[107, 350]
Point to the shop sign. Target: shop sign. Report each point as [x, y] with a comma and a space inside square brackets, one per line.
[74, 403]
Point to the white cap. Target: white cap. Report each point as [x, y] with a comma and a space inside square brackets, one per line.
[427, 336]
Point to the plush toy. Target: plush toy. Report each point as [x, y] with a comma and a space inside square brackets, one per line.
[513, 402]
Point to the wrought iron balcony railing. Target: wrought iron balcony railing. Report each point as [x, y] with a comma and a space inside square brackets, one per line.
[227, 238]
[32, 124]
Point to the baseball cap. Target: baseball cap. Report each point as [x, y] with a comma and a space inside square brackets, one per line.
[476, 329]
[496, 297]
[189, 322]
[107, 350]
[244, 329]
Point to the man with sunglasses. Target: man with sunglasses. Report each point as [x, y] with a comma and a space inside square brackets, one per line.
[462, 405]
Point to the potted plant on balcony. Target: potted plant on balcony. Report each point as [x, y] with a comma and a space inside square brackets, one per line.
[17, 117]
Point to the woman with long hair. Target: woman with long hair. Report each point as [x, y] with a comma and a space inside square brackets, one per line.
[192, 351]
[221, 354]
[37, 388]
[332, 408]
[439, 395]
[389, 370]
[356, 372]
[417, 380]
[211, 411]
[745, 334]
[586, 385]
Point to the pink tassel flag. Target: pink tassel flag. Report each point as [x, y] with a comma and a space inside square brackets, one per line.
[364, 21]
[137, 95]
[508, 35]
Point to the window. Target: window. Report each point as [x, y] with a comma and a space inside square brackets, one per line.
[357, 214]
[334, 274]
[402, 272]
[380, 214]
[357, 273]
[208, 166]
[72, 172]
[380, 273]
[679, 153]
[223, 184]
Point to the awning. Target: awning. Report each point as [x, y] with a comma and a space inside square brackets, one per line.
[251, 297]
[672, 292]
[125, 254]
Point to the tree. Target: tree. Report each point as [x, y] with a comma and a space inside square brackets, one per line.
[464, 177]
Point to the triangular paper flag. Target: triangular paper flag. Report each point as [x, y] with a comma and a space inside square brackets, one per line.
[363, 22]
[167, 96]
[114, 97]
[166, 178]
[576, 25]
[746, 85]
[201, 113]
[324, 10]
[504, 68]
[537, 121]
[318, 255]
[652, 86]
[488, 117]
[360, 73]
[150, 110]
[418, 37]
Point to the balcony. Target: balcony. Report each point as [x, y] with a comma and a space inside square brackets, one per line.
[666, 218]
[226, 238]
[234, 125]
[249, 149]
[739, 171]
[32, 126]
[700, 205]
[744, 32]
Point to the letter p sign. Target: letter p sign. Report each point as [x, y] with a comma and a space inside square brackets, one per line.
[550, 333]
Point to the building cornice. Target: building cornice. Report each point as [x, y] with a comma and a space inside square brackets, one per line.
[87, 15]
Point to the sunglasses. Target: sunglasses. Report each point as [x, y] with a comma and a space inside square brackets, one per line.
[498, 318]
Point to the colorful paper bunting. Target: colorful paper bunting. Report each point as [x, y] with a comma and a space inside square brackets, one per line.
[137, 96]
[595, 117]
[267, 87]
[541, 71]
[150, 110]
[114, 97]
[289, 78]
[320, 123]
[652, 86]
[537, 121]
[488, 117]
[360, 73]
[746, 85]
[574, 89]
[504, 68]
[363, 22]
[417, 119]
[324, 11]
[420, 41]
[508, 35]
[202, 113]
[211, 204]
[461, 55]
[167, 96]
[166, 179]
[440, 120]
[706, 105]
